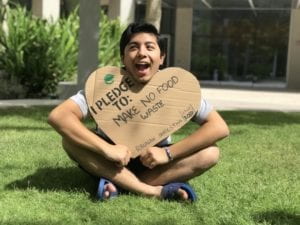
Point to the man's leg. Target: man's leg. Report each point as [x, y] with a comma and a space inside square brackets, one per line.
[182, 169]
[101, 167]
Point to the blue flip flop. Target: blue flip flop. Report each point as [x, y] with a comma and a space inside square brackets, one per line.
[100, 191]
[170, 191]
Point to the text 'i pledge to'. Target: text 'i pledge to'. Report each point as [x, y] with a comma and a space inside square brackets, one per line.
[113, 97]
[150, 104]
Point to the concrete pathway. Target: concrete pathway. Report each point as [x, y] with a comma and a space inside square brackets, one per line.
[29, 102]
[235, 99]
[220, 98]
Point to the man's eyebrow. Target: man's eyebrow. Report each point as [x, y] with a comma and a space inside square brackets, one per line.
[137, 43]
[132, 43]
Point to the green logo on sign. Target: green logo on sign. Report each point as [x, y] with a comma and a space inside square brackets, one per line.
[109, 78]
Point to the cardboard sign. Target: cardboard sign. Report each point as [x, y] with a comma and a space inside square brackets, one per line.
[141, 115]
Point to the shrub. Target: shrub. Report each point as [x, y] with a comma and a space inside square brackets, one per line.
[37, 54]
[110, 33]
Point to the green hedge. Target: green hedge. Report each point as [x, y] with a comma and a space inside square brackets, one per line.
[36, 55]
[110, 33]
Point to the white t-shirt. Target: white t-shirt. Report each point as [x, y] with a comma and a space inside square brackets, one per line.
[200, 116]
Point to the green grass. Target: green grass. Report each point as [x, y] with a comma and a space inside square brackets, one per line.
[256, 181]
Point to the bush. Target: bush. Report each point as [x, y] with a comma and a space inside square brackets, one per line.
[110, 33]
[38, 54]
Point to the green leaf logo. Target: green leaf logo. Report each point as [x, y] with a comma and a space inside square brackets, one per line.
[109, 78]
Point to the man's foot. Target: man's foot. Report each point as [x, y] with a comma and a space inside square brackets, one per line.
[182, 194]
[178, 191]
[106, 190]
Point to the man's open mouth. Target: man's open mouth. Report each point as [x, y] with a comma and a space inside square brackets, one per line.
[142, 66]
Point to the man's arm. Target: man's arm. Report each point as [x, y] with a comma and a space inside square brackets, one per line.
[66, 119]
[212, 130]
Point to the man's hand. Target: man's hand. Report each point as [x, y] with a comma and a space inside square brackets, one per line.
[119, 154]
[154, 156]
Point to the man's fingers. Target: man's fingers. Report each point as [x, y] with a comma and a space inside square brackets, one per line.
[144, 156]
[152, 165]
[127, 160]
[119, 164]
[148, 162]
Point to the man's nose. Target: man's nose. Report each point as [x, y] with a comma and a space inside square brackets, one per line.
[142, 51]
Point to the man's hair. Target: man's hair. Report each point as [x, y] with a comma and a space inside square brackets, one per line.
[134, 28]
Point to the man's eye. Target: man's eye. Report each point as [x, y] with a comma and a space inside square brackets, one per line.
[132, 47]
[150, 47]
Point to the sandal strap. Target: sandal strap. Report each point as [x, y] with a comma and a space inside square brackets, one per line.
[170, 191]
[101, 188]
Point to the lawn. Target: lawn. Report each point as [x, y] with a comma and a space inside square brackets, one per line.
[256, 181]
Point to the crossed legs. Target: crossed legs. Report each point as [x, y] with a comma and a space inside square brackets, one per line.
[182, 170]
[150, 181]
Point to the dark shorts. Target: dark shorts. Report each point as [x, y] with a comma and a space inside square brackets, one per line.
[135, 165]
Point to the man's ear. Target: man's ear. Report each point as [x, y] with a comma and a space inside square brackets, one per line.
[162, 58]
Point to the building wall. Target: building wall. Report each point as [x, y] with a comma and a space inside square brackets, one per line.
[293, 63]
[183, 37]
[182, 45]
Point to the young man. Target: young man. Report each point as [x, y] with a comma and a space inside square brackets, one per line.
[159, 169]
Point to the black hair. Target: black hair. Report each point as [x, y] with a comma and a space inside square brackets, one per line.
[134, 28]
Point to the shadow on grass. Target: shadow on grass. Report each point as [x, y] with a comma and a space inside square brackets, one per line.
[277, 218]
[260, 118]
[57, 179]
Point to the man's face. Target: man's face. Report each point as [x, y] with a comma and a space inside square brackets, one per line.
[142, 56]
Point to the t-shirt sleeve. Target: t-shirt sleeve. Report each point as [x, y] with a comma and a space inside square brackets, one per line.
[203, 111]
[80, 100]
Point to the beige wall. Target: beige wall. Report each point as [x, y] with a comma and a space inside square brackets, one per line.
[4, 25]
[183, 37]
[153, 12]
[88, 39]
[88, 46]
[293, 61]
[122, 9]
[46, 9]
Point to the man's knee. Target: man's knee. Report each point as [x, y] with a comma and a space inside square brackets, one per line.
[213, 155]
[208, 158]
